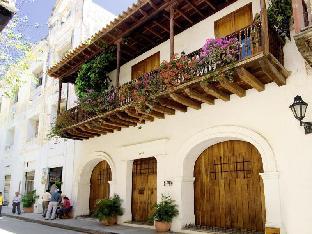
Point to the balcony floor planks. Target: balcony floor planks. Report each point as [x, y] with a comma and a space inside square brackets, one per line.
[190, 94]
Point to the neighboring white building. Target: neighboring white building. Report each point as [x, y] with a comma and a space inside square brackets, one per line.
[244, 162]
[28, 159]
[181, 154]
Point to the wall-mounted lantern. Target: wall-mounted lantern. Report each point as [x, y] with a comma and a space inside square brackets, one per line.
[299, 108]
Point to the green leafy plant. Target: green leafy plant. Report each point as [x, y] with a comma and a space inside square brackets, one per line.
[63, 120]
[279, 17]
[58, 184]
[93, 75]
[29, 199]
[165, 210]
[107, 208]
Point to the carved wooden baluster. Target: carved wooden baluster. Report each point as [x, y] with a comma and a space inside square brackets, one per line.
[240, 44]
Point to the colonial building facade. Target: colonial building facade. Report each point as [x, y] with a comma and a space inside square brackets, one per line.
[29, 159]
[230, 153]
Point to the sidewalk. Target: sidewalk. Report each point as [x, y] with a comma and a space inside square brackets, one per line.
[85, 225]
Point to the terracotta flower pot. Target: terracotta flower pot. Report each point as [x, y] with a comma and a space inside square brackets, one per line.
[162, 226]
[28, 209]
[109, 221]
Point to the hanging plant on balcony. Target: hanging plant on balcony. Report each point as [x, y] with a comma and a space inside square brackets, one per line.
[63, 120]
[178, 70]
[279, 16]
[217, 54]
[145, 89]
[93, 79]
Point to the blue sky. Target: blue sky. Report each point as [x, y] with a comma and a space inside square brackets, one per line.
[39, 11]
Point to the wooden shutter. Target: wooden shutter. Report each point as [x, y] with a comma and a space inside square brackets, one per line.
[147, 65]
[234, 21]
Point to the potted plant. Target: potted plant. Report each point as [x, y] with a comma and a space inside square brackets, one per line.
[28, 200]
[108, 209]
[164, 213]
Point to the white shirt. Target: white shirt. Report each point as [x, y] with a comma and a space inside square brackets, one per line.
[17, 199]
[46, 196]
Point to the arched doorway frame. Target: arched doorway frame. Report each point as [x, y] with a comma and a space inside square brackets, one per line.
[85, 171]
[192, 149]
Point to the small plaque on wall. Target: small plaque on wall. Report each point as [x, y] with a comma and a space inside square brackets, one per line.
[269, 230]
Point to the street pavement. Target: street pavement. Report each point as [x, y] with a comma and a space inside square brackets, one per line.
[15, 226]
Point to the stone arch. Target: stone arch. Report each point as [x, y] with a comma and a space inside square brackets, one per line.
[191, 150]
[84, 175]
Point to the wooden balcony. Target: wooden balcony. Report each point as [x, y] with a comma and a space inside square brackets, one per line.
[255, 67]
[304, 44]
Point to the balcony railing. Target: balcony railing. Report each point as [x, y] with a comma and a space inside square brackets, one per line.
[187, 92]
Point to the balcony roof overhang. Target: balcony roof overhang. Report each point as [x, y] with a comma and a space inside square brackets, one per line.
[143, 26]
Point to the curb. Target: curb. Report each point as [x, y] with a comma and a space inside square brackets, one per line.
[57, 225]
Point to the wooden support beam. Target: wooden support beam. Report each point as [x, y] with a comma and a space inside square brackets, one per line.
[118, 62]
[185, 16]
[264, 28]
[152, 113]
[210, 5]
[195, 8]
[109, 124]
[209, 89]
[250, 79]
[125, 122]
[172, 31]
[272, 72]
[198, 96]
[174, 105]
[59, 97]
[162, 27]
[127, 118]
[94, 124]
[153, 32]
[116, 122]
[77, 134]
[175, 23]
[162, 109]
[89, 131]
[80, 132]
[133, 113]
[185, 101]
[233, 87]
[71, 136]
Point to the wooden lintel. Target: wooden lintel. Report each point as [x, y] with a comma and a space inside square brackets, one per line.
[272, 72]
[233, 87]
[198, 96]
[209, 89]
[162, 109]
[250, 79]
[185, 101]
[173, 105]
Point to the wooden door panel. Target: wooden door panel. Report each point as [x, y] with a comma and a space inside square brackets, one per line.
[234, 21]
[147, 65]
[229, 188]
[144, 188]
[99, 186]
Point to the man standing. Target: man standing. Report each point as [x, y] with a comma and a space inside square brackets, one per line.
[55, 200]
[1, 203]
[46, 197]
[17, 203]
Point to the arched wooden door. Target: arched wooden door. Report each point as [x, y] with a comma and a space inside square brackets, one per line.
[99, 186]
[228, 187]
[144, 188]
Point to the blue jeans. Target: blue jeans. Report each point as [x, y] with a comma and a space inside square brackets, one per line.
[18, 206]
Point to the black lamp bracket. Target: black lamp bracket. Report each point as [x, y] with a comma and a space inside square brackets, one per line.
[307, 127]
